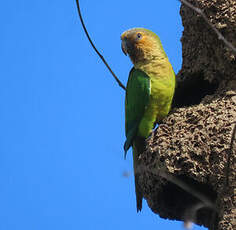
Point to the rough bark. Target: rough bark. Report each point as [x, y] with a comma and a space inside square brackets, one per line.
[195, 145]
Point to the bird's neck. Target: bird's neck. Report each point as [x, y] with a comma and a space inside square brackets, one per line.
[156, 66]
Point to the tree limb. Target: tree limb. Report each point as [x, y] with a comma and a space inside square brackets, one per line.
[99, 54]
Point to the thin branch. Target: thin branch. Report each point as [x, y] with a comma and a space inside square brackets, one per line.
[180, 183]
[230, 153]
[190, 215]
[220, 36]
[188, 189]
[99, 54]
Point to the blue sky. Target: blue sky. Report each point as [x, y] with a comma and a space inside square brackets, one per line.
[62, 114]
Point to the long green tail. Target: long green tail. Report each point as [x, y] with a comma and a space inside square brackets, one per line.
[138, 148]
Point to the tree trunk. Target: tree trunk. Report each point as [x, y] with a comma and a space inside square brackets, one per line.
[188, 170]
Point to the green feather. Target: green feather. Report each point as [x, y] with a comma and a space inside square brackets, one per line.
[137, 99]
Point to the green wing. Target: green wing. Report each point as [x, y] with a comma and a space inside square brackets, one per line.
[136, 100]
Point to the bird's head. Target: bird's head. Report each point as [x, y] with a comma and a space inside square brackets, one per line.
[140, 44]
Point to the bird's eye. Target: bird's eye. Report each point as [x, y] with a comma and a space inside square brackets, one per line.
[139, 36]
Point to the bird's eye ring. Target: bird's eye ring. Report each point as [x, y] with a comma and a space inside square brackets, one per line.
[139, 36]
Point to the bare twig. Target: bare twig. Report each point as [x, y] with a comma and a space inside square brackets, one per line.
[187, 188]
[204, 201]
[180, 183]
[230, 153]
[99, 54]
[190, 215]
[220, 36]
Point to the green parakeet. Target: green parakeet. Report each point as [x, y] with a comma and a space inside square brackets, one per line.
[149, 91]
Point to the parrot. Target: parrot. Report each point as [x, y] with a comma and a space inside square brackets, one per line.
[149, 92]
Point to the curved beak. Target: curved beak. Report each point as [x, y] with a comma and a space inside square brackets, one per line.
[124, 47]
